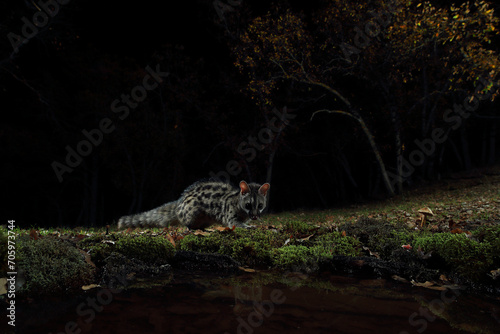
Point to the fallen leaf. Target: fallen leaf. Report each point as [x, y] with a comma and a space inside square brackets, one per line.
[459, 231]
[248, 270]
[226, 229]
[87, 258]
[399, 279]
[343, 233]
[33, 235]
[494, 273]
[371, 253]
[90, 286]
[428, 285]
[200, 232]
[452, 225]
[306, 238]
[171, 239]
[444, 278]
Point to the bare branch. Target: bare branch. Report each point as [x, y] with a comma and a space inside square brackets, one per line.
[342, 112]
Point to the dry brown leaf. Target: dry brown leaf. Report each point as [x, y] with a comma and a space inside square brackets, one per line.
[87, 257]
[399, 279]
[495, 273]
[200, 232]
[444, 278]
[371, 253]
[459, 231]
[306, 238]
[428, 285]
[248, 270]
[34, 235]
[171, 239]
[90, 286]
[452, 225]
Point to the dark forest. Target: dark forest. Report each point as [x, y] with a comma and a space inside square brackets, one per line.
[114, 108]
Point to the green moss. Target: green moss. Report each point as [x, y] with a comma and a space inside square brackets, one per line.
[336, 244]
[149, 249]
[470, 258]
[294, 257]
[304, 258]
[490, 235]
[211, 243]
[294, 228]
[99, 247]
[156, 250]
[250, 247]
[52, 267]
[3, 251]
[264, 248]
[380, 236]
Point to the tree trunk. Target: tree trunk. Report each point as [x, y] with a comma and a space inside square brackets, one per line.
[399, 151]
[354, 114]
[371, 141]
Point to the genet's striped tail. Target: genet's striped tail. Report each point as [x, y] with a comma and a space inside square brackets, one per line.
[161, 216]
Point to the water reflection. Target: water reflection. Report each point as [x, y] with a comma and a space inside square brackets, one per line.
[266, 303]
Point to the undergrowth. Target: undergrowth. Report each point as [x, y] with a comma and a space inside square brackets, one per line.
[52, 266]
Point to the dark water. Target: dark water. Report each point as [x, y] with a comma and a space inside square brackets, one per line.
[246, 304]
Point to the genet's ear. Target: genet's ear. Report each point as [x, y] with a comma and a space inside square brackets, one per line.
[264, 188]
[244, 188]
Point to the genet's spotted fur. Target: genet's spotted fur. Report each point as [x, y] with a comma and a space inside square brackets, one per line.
[205, 203]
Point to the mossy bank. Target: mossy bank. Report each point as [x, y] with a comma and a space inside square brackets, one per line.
[58, 265]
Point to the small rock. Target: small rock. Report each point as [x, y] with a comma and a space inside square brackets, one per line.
[118, 269]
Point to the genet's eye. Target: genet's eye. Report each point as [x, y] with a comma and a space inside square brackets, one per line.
[248, 206]
[260, 206]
